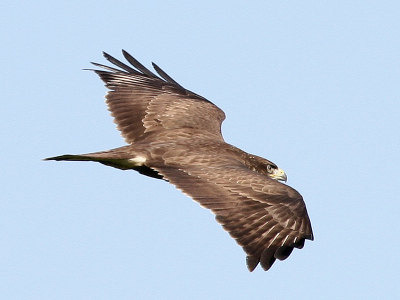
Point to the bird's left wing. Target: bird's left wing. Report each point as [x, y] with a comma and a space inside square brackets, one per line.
[143, 103]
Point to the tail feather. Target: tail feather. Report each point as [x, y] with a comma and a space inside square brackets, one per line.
[70, 157]
[118, 158]
[123, 164]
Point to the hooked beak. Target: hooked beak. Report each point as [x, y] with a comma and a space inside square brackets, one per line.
[279, 174]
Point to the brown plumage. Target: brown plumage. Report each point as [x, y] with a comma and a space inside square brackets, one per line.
[175, 135]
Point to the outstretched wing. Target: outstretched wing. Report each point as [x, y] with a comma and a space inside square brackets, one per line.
[143, 103]
[267, 218]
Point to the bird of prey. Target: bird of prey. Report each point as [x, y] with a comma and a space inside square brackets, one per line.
[175, 135]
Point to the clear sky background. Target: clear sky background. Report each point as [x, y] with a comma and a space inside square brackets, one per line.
[311, 85]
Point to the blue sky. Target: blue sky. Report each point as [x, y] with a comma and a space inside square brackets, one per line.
[311, 85]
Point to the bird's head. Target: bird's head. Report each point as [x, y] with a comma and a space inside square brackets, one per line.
[276, 173]
[266, 167]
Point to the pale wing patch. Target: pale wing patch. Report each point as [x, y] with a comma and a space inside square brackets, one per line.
[137, 161]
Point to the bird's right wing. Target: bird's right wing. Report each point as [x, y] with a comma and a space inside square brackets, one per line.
[267, 218]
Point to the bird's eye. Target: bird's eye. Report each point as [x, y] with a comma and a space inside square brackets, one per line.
[269, 168]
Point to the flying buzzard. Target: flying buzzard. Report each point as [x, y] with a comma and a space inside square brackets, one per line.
[175, 135]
